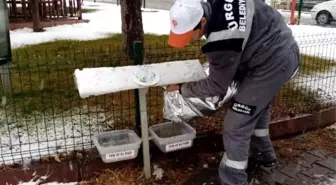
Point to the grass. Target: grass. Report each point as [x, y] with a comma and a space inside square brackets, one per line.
[89, 10]
[293, 100]
[312, 64]
[154, 44]
[42, 76]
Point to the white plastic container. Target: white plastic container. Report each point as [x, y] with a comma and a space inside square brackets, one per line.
[172, 136]
[119, 145]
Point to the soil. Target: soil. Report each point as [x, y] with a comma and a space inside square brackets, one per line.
[170, 131]
[114, 141]
[323, 139]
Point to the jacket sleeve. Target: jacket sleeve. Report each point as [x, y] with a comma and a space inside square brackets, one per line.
[225, 44]
[222, 68]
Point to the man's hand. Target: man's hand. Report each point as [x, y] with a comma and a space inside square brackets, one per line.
[172, 88]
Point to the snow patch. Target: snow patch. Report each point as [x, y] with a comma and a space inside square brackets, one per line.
[57, 183]
[323, 85]
[327, 181]
[158, 172]
[102, 23]
[286, 13]
[50, 183]
[315, 40]
[333, 126]
[26, 138]
[107, 20]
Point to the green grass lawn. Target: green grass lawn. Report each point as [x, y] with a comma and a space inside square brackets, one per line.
[311, 64]
[42, 75]
[87, 10]
[61, 51]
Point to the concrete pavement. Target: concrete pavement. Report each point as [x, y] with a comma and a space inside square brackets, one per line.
[314, 167]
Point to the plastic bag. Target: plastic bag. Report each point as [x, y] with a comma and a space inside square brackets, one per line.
[180, 109]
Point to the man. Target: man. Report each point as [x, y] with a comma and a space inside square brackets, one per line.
[246, 40]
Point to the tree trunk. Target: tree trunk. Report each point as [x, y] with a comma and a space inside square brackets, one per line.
[37, 27]
[132, 29]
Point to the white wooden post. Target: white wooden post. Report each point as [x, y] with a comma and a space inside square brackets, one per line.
[144, 132]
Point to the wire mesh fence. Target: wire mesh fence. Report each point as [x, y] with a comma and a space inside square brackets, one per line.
[22, 10]
[43, 115]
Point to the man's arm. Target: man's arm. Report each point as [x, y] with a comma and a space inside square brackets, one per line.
[222, 68]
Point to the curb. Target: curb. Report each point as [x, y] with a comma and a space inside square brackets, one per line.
[301, 124]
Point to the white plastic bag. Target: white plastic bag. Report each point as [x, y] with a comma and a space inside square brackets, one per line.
[180, 109]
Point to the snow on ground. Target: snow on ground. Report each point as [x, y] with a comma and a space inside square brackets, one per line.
[323, 84]
[333, 126]
[103, 22]
[320, 42]
[328, 181]
[316, 41]
[38, 180]
[287, 13]
[50, 183]
[38, 135]
[75, 127]
[107, 20]
[57, 183]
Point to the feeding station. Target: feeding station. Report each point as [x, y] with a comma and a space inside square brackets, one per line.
[5, 51]
[104, 80]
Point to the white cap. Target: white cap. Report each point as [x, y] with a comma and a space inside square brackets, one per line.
[184, 17]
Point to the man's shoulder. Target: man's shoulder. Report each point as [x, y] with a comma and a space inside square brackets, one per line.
[230, 25]
[231, 14]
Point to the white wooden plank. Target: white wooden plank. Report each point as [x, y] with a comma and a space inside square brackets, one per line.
[104, 80]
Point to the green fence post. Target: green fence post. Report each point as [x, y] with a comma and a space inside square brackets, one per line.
[5, 51]
[300, 8]
[138, 60]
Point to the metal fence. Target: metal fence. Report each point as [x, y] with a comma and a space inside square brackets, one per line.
[21, 11]
[43, 114]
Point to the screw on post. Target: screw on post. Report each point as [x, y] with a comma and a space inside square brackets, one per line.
[138, 60]
[5, 52]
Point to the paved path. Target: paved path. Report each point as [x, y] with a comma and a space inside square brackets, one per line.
[312, 168]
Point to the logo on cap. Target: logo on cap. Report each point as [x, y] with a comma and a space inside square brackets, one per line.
[174, 22]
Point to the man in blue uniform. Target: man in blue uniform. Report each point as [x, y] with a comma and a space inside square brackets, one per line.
[245, 39]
